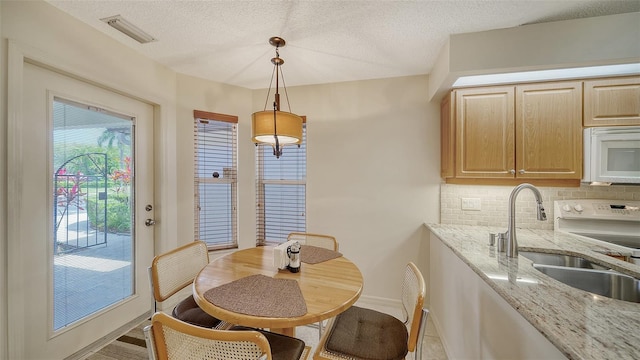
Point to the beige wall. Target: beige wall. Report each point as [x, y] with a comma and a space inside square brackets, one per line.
[3, 196]
[598, 40]
[602, 40]
[198, 94]
[372, 170]
[372, 166]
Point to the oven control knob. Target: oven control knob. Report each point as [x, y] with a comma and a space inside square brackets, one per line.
[579, 208]
[566, 208]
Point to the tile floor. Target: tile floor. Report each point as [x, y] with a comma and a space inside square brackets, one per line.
[432, 347]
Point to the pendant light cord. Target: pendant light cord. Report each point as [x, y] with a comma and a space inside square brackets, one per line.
[286, 95]
[269, 91]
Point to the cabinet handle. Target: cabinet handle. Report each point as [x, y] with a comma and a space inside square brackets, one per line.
[521, 171]
[512, 171]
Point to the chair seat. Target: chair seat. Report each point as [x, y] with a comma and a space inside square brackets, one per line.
[368, 334]
[282, 347]
[189, 311]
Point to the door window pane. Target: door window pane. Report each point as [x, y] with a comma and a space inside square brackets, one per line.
[92, 198]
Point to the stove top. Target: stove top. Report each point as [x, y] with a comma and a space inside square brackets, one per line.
[613, 221]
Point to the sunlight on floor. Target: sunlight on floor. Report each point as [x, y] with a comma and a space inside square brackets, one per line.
[90, 263]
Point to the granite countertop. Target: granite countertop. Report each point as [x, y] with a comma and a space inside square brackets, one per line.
[580, 324]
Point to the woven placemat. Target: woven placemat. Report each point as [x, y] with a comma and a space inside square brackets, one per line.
[260, 295]
[313, 254]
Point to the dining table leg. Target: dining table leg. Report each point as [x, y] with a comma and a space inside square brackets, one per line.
[284, 331]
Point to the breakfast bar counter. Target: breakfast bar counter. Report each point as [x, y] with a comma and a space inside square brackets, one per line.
[579, 324]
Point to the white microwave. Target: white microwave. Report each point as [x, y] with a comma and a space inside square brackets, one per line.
[612, 155]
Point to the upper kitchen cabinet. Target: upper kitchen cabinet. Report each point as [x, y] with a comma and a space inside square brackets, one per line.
[507, 134]
[484, 127]
[549, 131]
[612, 102]
[447, 138]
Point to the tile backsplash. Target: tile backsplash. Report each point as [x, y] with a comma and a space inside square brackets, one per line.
[494, 203]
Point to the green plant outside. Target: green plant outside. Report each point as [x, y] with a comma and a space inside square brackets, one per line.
[118, 214]
[63, 152]
[118, 206]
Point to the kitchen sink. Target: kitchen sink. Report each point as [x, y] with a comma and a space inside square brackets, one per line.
[586, 275]
[561, 260]
[607, 283]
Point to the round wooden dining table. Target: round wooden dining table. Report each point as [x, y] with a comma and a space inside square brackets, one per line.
[328, 288]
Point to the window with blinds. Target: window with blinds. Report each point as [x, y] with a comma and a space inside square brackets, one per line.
[281, 192]
[216, 179]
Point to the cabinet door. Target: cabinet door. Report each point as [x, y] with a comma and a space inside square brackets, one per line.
[447, 137]
[485, 132]
[609, 102]
[549, 131]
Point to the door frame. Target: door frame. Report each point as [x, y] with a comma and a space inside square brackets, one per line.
[17, 55]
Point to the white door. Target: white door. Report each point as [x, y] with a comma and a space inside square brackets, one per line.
[80, 246]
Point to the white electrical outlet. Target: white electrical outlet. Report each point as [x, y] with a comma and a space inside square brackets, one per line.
[471, 204]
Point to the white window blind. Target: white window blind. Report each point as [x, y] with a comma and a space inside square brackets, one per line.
[216, 179]
[281, 192]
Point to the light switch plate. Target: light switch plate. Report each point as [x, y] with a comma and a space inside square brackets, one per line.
[471, 204]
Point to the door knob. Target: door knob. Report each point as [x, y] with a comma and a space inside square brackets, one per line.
[521, 171]
[149, 222]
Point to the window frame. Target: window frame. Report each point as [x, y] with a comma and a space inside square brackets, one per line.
[227, 177]
[261, 222]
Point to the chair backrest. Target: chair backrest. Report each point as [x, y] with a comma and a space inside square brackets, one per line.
[413, 293]
[176, 269]
[319, 240]
[177, 340]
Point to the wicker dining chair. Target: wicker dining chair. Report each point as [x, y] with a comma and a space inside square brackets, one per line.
[168, 338]
[319, 240]
[379, 336]
[175, 270]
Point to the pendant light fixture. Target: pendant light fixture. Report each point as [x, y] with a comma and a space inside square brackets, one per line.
[274, 127]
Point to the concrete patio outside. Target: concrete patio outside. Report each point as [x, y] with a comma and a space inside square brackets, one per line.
[92, 278]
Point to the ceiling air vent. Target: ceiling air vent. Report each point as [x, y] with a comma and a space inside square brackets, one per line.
[119, 23]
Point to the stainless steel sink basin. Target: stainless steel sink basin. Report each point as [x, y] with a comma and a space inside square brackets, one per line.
[607, 283]
[586, 275]
[561, 260]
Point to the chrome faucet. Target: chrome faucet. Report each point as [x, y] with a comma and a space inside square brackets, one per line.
[512, 242]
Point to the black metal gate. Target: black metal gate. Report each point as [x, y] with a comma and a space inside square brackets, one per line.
[80, 203]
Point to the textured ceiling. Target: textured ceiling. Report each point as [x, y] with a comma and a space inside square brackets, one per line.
[327, 41]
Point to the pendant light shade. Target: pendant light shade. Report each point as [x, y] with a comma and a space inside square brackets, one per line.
[274, 127]
[289, 127]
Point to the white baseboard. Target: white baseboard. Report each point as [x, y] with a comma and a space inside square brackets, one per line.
[386, 305]
[436, 324]
[376, 300]
[104, 341]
